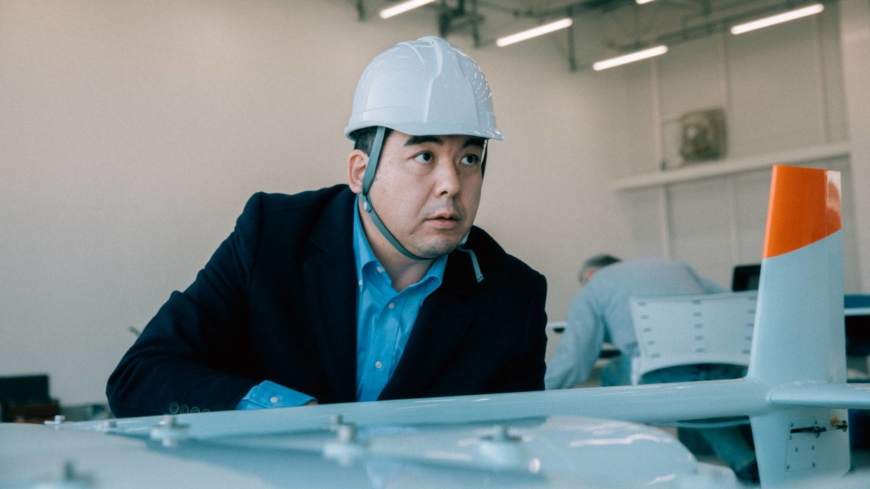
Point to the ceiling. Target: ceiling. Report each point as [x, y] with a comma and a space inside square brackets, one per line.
[601, 27]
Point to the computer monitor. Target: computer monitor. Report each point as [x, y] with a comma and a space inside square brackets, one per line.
[746, 277]
[857, 324]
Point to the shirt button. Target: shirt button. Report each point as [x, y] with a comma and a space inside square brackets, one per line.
[360, 283]
[392, 305]
[380, 270]
[273, 399]
[379, 364]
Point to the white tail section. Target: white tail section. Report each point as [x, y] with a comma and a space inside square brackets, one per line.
[799, 329]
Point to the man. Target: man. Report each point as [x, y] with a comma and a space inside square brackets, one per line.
[380, 289]
[601, 312]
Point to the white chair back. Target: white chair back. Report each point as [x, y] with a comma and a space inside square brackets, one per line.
[692, 329]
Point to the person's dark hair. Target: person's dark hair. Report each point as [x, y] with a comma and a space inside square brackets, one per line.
[364, 138]
[596, 262]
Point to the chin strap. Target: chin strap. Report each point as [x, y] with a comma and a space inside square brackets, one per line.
[369, 178]
[473, 257]
[483, 159]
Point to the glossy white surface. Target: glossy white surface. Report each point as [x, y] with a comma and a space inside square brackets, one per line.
[851, 396]
[800, 305]
[543, 452]
[646, 404]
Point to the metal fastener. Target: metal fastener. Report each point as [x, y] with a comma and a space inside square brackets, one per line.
[169, 432]
[58, 420]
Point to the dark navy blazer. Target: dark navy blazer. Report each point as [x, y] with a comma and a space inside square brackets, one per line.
[277, 301]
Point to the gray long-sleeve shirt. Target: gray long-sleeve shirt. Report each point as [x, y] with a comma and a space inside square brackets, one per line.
[601, 312]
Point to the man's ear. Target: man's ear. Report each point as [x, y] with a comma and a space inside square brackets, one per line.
[357, 162]
[588, 275]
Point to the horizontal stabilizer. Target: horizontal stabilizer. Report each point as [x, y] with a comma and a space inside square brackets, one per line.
[843, 396]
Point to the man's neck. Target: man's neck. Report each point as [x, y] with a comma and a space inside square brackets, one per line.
[403, 271]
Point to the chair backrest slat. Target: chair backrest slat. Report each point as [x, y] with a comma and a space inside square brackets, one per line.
[685, 330]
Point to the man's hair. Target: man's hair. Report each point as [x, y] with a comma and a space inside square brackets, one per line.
[596, 262]
[364, 138]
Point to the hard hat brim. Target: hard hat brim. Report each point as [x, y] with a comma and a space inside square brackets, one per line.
[423, 129]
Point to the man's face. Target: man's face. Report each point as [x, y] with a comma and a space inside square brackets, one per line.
[427, 190]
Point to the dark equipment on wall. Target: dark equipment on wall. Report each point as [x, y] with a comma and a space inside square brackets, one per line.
[703, 136]
[746, 277]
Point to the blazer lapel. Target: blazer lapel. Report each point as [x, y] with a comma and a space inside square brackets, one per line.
[441, 324]
[330, 287]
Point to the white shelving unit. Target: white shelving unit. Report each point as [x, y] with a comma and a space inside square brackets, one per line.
[732, 166]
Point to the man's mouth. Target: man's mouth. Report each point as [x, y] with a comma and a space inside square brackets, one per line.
[444, 220]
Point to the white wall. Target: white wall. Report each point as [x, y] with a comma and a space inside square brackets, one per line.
[132, 133]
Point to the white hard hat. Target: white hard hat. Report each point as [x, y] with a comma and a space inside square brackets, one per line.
[424, 88]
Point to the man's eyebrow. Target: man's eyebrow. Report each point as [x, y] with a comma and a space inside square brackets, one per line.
[415, 140]
[473, 142]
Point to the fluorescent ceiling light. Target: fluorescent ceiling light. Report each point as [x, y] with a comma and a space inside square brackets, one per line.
[537, 31]
[402, 8]
[641, 2]
[777, 19]
[630, 58]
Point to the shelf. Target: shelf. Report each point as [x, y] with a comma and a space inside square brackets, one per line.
[726, 167]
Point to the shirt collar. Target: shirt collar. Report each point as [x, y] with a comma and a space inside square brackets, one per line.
[365, 256]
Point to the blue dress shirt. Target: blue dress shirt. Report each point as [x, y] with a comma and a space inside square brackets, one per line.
[385, 318]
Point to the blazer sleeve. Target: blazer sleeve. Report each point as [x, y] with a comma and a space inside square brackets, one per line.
[192, 350]
[528, 373]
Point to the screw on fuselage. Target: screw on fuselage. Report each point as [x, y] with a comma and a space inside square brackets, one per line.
[58, 420]
[346, 433]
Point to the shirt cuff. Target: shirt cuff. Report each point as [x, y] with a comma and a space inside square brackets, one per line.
[271, 395]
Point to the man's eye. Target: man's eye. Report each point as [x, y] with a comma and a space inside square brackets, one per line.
[470, 159]
[424, 157]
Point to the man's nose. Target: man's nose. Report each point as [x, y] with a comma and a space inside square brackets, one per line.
[447, 178]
